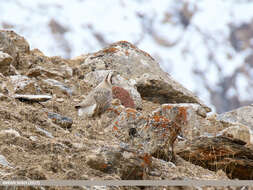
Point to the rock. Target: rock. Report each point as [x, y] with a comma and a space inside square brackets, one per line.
[79, 59]
[126, 126]
[56, 85]
[128, 165]
[5, 62]
[37, 65]
[2, 77]
[67, 71]
[186, 116]
[12, 43]
[4, 162]
[40, 71]
[224, 153]
[146, 135]
[158, 90]
[101, 162]
[240, 122]
[124, 57]
[129, 86]
[21, 84]
[10, 132]
[46, 133]
[238, 131]
[35, 173]
[124, 96]
[241, 115]
[32, 98]
[31, 60]
[133, 63]
[4, 97]
[62, 121]
[60, 100]
[3, 85]
[165, 125]
[115, 159]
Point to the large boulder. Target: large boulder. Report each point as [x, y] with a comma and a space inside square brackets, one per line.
[241, 115]
[191, 118]
[214, 153]
[133, 63]
[241, 123]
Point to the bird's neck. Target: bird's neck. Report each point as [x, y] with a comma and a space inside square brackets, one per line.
[105, 84]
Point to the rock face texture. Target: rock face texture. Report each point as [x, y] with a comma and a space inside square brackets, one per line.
[154, 128]
[223, 153]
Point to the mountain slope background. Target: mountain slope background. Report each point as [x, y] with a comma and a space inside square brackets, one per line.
[205, 45]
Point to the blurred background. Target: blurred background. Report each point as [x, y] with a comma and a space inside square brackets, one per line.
[206, 45]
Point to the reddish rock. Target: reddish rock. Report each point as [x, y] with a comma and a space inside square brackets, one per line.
[124, 96]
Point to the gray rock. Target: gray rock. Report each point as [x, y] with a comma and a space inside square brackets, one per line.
[60, 120]
[48, 134]
[56, 84]
[125, 58]
[156, 89]
[241, 115]
[4, 162]
[112, 159]
[239, 123]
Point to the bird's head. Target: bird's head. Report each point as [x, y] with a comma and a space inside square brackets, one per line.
[108, 79]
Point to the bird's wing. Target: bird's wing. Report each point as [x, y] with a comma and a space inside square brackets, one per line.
[102, 95]
[88, 101]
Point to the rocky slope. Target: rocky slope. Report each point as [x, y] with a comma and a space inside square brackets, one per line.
[211, 40]
[42, 137]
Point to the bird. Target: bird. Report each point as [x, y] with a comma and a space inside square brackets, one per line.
[99, 99]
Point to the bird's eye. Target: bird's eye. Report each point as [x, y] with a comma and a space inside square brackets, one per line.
[132, 132]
